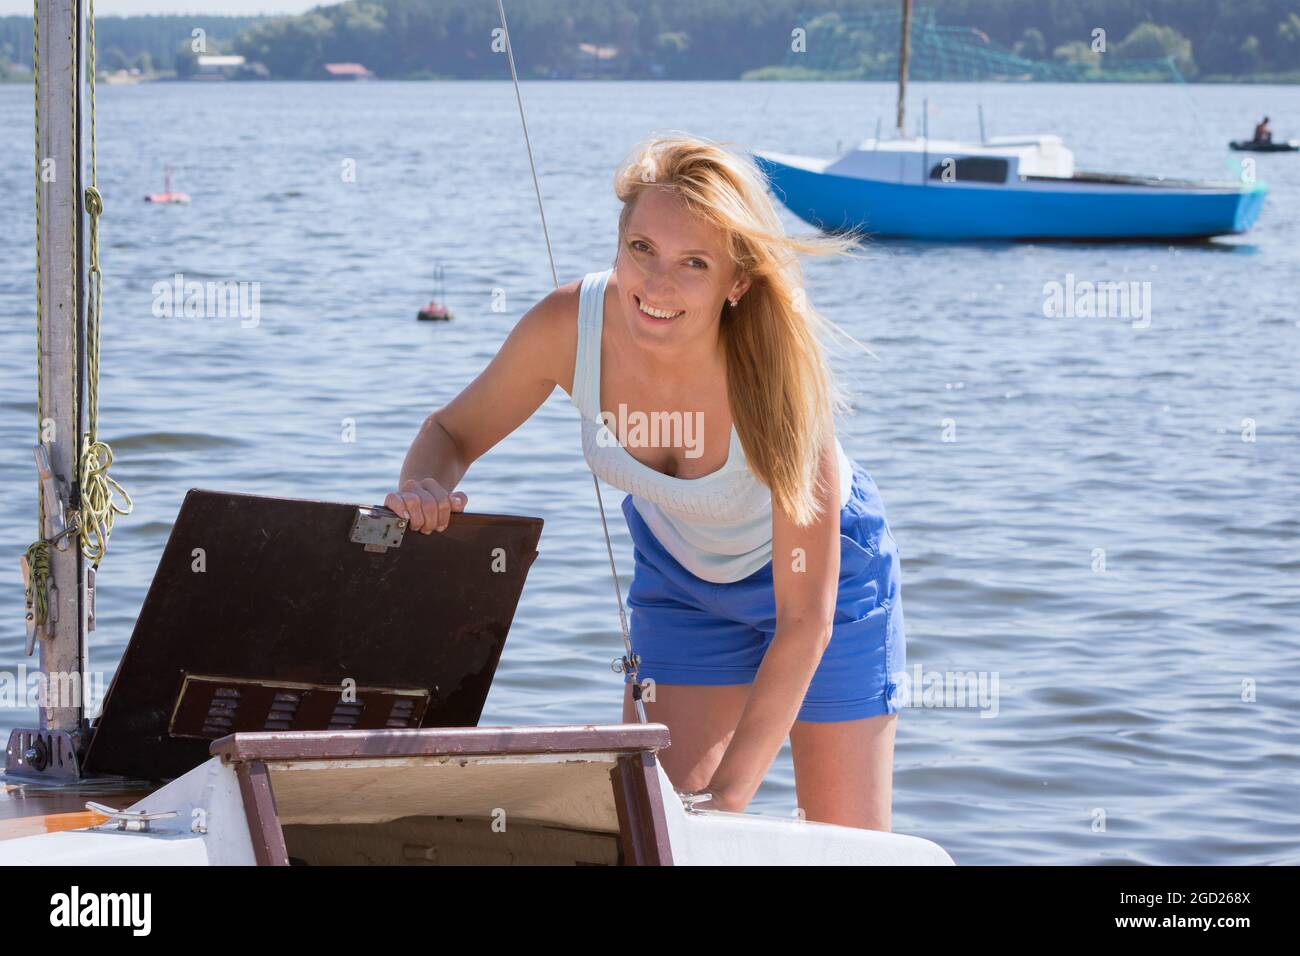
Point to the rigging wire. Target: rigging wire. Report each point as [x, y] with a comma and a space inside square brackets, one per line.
[97, 487]
[629, 664]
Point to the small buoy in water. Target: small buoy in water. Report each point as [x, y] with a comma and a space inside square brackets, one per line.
[167, 195]
[435, 311]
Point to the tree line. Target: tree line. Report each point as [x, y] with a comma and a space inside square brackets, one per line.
[146, 43]
[678, 39]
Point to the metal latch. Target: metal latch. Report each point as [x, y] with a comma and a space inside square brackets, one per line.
[52, 493]
[131, 819]
[690, 798]
[378, 529]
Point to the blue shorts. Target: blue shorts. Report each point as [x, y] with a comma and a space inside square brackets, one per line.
[690, 631]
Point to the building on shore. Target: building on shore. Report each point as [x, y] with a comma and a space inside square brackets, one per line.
[595, 60]
[213, 66]
[347, 71]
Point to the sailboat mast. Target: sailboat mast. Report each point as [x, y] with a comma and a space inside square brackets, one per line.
[61, 343]
[905, 49]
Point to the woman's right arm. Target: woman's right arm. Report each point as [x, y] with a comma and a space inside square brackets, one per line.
[536, 356]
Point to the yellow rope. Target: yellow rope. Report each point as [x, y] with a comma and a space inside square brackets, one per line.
[36, 593]
[97, 505]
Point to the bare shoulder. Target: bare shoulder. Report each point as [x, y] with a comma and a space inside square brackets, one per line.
[550, 333]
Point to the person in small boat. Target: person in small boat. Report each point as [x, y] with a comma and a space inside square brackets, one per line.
[766, 593]
[1263, 132]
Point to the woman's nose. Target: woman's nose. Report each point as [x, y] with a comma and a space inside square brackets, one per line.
[657, 279]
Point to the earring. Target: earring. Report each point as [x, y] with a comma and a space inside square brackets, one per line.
[733, 302]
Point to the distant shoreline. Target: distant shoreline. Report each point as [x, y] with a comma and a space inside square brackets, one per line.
[963, 41]
[1281, 79]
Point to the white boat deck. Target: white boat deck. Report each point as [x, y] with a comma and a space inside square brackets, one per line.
[345, 804]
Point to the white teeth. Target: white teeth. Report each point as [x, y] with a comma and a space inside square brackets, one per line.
[657, 313]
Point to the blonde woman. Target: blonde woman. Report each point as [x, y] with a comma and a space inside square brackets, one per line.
[765, 599]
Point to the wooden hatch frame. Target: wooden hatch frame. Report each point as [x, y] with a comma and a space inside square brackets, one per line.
[643, 831]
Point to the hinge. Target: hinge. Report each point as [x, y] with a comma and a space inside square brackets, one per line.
[377, 529]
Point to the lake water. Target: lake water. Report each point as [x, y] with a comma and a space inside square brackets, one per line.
[1159, 692]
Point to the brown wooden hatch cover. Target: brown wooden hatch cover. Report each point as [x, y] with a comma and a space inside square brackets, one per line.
[271, 614]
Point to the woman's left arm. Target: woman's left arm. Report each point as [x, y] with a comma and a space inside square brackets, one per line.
[805, 576]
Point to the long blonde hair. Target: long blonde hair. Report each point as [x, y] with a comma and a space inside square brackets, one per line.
[782, 390]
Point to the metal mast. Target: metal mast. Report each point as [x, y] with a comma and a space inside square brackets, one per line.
[903, 53]
[59, 41]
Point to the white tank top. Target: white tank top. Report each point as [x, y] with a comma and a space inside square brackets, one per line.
[719, 526]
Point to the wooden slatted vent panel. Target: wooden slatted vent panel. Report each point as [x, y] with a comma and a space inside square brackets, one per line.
[223, 706]
[284, 708]
[345, 716]
[211, 707]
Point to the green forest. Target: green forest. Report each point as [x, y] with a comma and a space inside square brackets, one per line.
[147, 43]
[1254, 40]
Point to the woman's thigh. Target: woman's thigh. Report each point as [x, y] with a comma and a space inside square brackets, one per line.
[701, 720]
[844, 770]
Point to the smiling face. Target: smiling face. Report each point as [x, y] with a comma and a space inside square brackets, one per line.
[674, 273]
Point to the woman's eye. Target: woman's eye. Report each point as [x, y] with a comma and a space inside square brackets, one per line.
[698, 264]
[638, 245]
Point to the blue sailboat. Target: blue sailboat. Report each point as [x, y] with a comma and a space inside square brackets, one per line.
[1009, 187]
[1004, 188]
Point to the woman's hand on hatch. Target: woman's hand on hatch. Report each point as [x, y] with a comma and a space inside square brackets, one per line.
[426, 505]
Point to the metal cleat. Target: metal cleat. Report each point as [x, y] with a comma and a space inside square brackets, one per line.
[134, 820]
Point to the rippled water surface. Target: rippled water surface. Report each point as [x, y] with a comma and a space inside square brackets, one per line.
[1159, 692]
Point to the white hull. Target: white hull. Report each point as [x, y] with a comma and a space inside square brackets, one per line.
[422, 810]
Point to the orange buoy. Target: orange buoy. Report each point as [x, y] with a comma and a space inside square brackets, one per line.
[167, 196]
